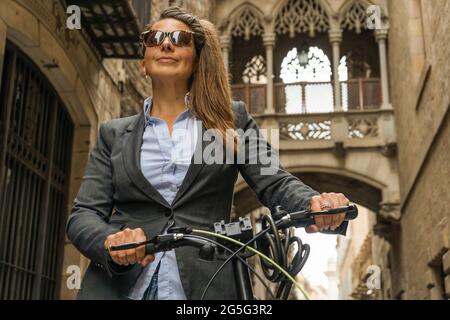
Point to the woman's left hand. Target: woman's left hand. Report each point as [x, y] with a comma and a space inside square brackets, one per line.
[324, 202]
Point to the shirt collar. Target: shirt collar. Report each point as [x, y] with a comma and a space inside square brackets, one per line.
[148, 103]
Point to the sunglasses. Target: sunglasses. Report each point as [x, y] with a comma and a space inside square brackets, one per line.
[179, 38]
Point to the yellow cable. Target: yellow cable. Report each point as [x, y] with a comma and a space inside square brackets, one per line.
[262, 255]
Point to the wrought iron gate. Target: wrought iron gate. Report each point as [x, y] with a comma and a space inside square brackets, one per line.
[36, 136]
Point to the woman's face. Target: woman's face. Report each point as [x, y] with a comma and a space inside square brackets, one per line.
[168, 60]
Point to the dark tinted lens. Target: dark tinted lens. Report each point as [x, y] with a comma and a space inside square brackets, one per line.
[180, 38]
[154, 38]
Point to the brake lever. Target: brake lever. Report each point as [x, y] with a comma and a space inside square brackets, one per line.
[133, 245]
[305, 218]
[162, 242]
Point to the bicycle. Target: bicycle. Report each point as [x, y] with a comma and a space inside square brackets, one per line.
[272, 244]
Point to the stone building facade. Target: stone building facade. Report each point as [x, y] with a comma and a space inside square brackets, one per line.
[405, 53]
[419, 72]
[413, 255]
[378, 132]
[42, 62]
[91, 81]
[344, 140]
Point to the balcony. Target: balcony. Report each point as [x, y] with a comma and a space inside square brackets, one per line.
[306, 119]
[350, 129]
[311, 97]
[113, 26]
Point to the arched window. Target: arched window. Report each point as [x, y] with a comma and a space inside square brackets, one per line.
[255, 71]
[34, 175]
[316, 68]
[307, 81]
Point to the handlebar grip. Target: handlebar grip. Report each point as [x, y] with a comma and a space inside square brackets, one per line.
[303, 219]
[125, 246]
[150, 248]
[351, 211]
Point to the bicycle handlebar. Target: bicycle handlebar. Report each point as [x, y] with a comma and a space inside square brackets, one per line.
[299, 219]
[305, 218]
[275, 239]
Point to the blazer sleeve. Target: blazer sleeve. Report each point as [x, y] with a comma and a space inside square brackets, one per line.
[278, 186]
[88, 227]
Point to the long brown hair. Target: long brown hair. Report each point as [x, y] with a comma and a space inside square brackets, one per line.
[210, 90]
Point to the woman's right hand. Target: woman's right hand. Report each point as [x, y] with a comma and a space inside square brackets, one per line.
[130, 256]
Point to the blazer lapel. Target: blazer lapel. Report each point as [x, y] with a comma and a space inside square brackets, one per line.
[194, 168]
[131, 154]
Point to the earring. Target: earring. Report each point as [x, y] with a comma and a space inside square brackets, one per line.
[187, 99]
[145, 72]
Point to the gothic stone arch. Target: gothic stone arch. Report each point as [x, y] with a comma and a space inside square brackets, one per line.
[357, 189]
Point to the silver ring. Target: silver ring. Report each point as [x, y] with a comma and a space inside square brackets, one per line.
[325, 205]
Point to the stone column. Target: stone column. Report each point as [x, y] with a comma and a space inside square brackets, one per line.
[269, 43]
[335, 40]
[381, 36]
[225, 41]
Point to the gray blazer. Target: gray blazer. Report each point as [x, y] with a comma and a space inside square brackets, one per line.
[115, 194]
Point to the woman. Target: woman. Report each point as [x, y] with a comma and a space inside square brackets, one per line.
[142, 177]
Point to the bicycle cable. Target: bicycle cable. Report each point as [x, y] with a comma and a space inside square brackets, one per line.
[258, 253]
[239, 257]
[227, 261]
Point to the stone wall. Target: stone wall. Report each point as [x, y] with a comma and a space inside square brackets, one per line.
[93, 90]
[420, 85]
[77, 74]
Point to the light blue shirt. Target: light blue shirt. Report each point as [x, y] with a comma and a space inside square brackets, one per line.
[165, 160]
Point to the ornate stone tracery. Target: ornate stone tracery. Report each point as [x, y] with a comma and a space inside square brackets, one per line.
[313, 130]
[301, 16]
[255, 70]
[354, 18]
[362, 128]
[246, 24]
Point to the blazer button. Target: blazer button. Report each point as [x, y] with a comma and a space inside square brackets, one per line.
[167, 213]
